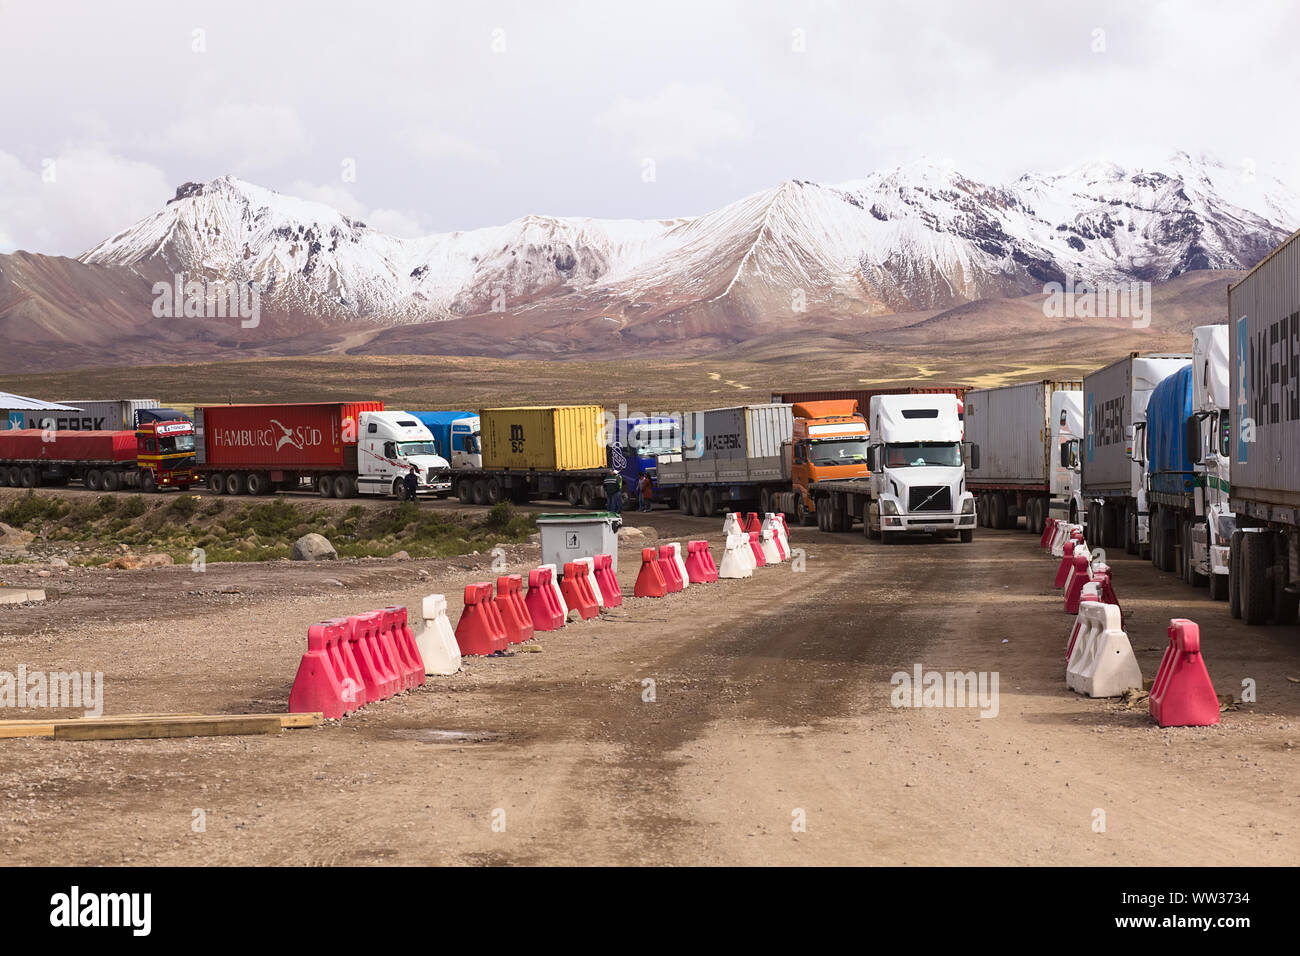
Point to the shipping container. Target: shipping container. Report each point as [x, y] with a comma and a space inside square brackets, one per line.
[70, 446]
[743, 431]
[1114, 401]
[1014, 431]
[1264, 340]
[107, 414]
[295, 437]
[545, 439]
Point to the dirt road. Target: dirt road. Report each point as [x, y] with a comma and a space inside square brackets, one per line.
[769, 706]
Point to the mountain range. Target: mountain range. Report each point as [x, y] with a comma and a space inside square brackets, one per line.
[893, 249]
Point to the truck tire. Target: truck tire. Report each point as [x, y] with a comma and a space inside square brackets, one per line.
[967, 535]
[1000, 515]
[147, 482]
[325, 486]
[1256, 584]
[697, 502]
[92, 479]
[573, 492]
[1131, 529]
[110, 481]
[801, 514]
[588, 495]
[480, 491]
[399, 489]
[234, 483]
[257, 483]
[27, 477]
[1234, 574]
[493, 491]
[217, 483]
[1037, 515]
[684, 500]
[345, 486]
[4, 476]
[465, 491]
[1111, 527]
[1285, 603]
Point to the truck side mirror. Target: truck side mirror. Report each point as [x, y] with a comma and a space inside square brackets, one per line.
[974, 457]
[871, 457]
[1192, 439]
[1065, 454]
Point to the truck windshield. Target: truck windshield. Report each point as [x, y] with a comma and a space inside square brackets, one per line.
[845, 451]
[178, 443]
[915, 454]
[657, 439]
[409, 448]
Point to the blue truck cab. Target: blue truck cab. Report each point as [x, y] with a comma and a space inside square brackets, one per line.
[456, 435]
[638, 443]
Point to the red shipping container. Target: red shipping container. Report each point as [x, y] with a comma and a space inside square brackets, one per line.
[273, 437]
[32, 444]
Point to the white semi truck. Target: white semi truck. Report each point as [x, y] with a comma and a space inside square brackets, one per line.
[1024, 459]
[1114, 500]
[1264, 363]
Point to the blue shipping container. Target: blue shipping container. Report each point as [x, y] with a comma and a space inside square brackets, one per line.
[1168, 409]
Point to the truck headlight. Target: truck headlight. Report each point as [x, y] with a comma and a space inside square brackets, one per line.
[888, 506]
[968, 506]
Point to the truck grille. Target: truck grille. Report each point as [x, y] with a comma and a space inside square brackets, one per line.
[942, 500]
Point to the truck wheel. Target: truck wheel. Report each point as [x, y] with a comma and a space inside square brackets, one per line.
[4, 476]
[765, 501]
[1234, 574]
[325, 486]
[967, 535]
[255, 483]
[1285, 603]
[148, 483]
[573, 492]
[234, 483]
[217, 483]
[1033, 508]
[708, 503]
[801, 513]
[399, 489]
[1130, 530]
[1000, 516]
[480, 491]
[1256, 590]
[92, 479]
[465, 491]
[684, 500]
[493, 490]
[27, 477]
[345, 486]
[871, 534]
[110, 481]
[697, 502]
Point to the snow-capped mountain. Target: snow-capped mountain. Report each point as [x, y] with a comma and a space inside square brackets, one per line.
[921, 236]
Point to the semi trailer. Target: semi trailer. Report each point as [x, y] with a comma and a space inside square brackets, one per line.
[338, 449]
[1113, 501]
[736, 457]
[916, 484]
[553, 451]
[117, 414]
[1264, 364]
[1024, 460]
[1187, 472]
[154, 456]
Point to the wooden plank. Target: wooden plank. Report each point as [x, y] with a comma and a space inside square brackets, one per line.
[10, 729]
[68, 720]
[232, 725]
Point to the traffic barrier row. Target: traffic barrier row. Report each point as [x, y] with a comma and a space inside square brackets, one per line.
[357, 660]
[1099, 659]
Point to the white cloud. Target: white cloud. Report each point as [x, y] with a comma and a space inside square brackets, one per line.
[395, 222]
[439, 145]
[67, 203]
[679, 121]
[244, 136]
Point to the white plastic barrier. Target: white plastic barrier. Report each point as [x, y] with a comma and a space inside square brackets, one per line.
[771, 553]
[569, 615]
[681, 563]
[738, 559]
[731, 524]
[777, 527]
[591, 579]
[1102, 662]
[436, 641]
[1063, 532]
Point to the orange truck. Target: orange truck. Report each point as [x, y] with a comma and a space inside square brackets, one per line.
[828, 442]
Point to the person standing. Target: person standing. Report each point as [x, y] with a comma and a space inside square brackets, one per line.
[613, 488]
[411, 483]
[647, 492]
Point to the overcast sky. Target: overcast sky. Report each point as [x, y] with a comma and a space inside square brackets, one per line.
[436, 116]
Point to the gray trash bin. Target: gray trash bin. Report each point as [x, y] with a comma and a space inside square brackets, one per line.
[567, 537]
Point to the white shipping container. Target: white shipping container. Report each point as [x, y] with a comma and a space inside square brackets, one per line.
[106, 414]
[1013, 428]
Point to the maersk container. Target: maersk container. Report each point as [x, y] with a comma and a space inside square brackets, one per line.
[1013, 427]
[107, 414]
[1114, 400]
[67, 446]
[297, 437]
[1169, 467]
[1264, 342]
[543, 439]
[743, 431]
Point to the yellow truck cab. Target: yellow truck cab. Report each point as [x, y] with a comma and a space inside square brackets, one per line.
[829, 441]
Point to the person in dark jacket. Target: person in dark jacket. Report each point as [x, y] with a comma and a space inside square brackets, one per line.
[613, 488]
[411, 482]
[647, 492]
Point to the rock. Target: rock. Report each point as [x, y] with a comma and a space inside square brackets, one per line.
[11, 537]
[333, 582]
[313, 547]
[627, 531]
[400, 556]
[422, 574]
[228, 589]
[535, 538]
[57, 563]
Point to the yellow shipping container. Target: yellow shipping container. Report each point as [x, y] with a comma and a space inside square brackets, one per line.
[556, 438]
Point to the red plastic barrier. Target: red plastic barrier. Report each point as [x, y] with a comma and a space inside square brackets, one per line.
[610, 591]
[370, 628]
[403, 643]
[1074, 586]
[756, 546]
[325, 681]
[650, 579]
[515, 619]
[545, 613]
[480, 631]
[752, 523]
[1182, 695]
[668, 567]
[1063, 569]
[577, 591]
[699, 563]
[1049, 529]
